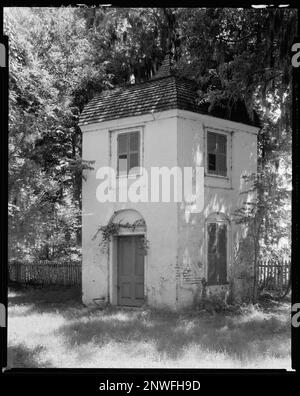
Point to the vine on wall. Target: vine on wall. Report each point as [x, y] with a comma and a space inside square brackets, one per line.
[113, 229]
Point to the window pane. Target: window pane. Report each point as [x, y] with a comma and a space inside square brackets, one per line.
[222, 252]
[211, 142]
[122, 165]
[134, 160]
[212, 269]
[211, 162]
[217, 253]
[221, 144]
[211, 230]
[221, 164]
[122, 143]
[134, 141]
[212, 253]
[222, 237]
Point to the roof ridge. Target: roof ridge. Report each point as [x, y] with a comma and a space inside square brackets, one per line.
[178, 94]
[129, 86]
[166, 67]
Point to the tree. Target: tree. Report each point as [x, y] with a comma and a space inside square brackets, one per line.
[47, 67]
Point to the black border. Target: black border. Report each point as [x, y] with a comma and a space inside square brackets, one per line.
[4, 196]
[295, 200]
[88, 380]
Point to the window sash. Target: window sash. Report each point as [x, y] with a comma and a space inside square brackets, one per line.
[130, 153]
[216, 153]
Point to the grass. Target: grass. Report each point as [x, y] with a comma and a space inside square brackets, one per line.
[51, 328]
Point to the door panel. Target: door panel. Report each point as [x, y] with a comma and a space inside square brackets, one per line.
[125, 290]
[139, 291]
[130, 271]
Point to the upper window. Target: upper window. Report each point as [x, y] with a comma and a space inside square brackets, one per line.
[217, 154]
[128, 152]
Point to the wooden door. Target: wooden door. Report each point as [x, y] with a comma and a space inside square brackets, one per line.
[130, 271]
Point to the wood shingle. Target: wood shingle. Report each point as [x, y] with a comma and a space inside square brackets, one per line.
[165, 91]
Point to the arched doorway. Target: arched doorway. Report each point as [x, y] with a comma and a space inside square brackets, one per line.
[128, 259]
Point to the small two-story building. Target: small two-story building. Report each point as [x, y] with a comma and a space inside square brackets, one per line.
[156, 124]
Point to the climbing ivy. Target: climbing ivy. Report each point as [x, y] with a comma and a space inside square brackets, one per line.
[112, 228]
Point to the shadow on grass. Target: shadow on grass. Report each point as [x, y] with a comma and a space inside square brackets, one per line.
[47, 299]
[241, 336]
[19, 356]
[173, 334]
[46, 294]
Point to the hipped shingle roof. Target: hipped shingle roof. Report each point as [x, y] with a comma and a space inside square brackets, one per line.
[155, 95]
[165, 91]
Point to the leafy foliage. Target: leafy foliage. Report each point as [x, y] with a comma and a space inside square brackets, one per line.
[112, 229]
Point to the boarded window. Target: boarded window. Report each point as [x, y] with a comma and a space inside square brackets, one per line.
[128, 152]
[217, 253]
[217, 153]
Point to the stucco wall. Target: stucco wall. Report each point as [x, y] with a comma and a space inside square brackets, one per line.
[159, 138]
[220, 195]
[176, 259]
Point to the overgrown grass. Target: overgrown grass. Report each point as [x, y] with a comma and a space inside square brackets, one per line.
[51, 328]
